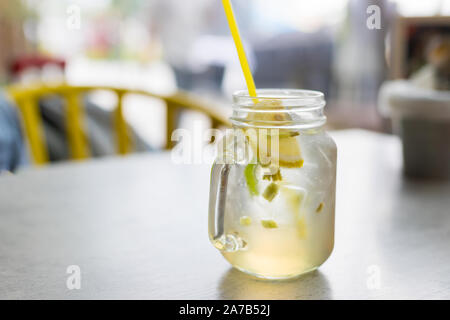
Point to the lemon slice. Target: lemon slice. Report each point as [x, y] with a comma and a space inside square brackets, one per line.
[289, 154]
[264, 113]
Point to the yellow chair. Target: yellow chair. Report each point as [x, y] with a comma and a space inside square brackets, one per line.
[27, 99]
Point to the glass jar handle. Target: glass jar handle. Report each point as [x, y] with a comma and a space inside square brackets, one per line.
[217, 203]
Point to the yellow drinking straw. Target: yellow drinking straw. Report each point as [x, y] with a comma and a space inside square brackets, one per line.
[239, 47]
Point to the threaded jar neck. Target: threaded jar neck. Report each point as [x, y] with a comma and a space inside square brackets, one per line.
[279, 108]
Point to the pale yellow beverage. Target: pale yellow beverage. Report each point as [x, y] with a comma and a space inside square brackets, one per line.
[294, 232]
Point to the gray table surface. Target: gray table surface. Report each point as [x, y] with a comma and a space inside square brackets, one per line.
[137, 228]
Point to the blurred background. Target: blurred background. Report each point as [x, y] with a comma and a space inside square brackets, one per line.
[162, 46]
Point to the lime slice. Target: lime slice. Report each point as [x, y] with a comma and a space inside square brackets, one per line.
[250, 179]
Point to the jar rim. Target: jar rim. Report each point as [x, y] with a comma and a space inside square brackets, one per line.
[280, 94]
[303, 107]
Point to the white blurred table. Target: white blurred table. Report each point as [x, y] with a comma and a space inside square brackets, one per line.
[137, 227]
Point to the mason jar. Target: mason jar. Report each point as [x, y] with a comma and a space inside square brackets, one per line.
[273, 185]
